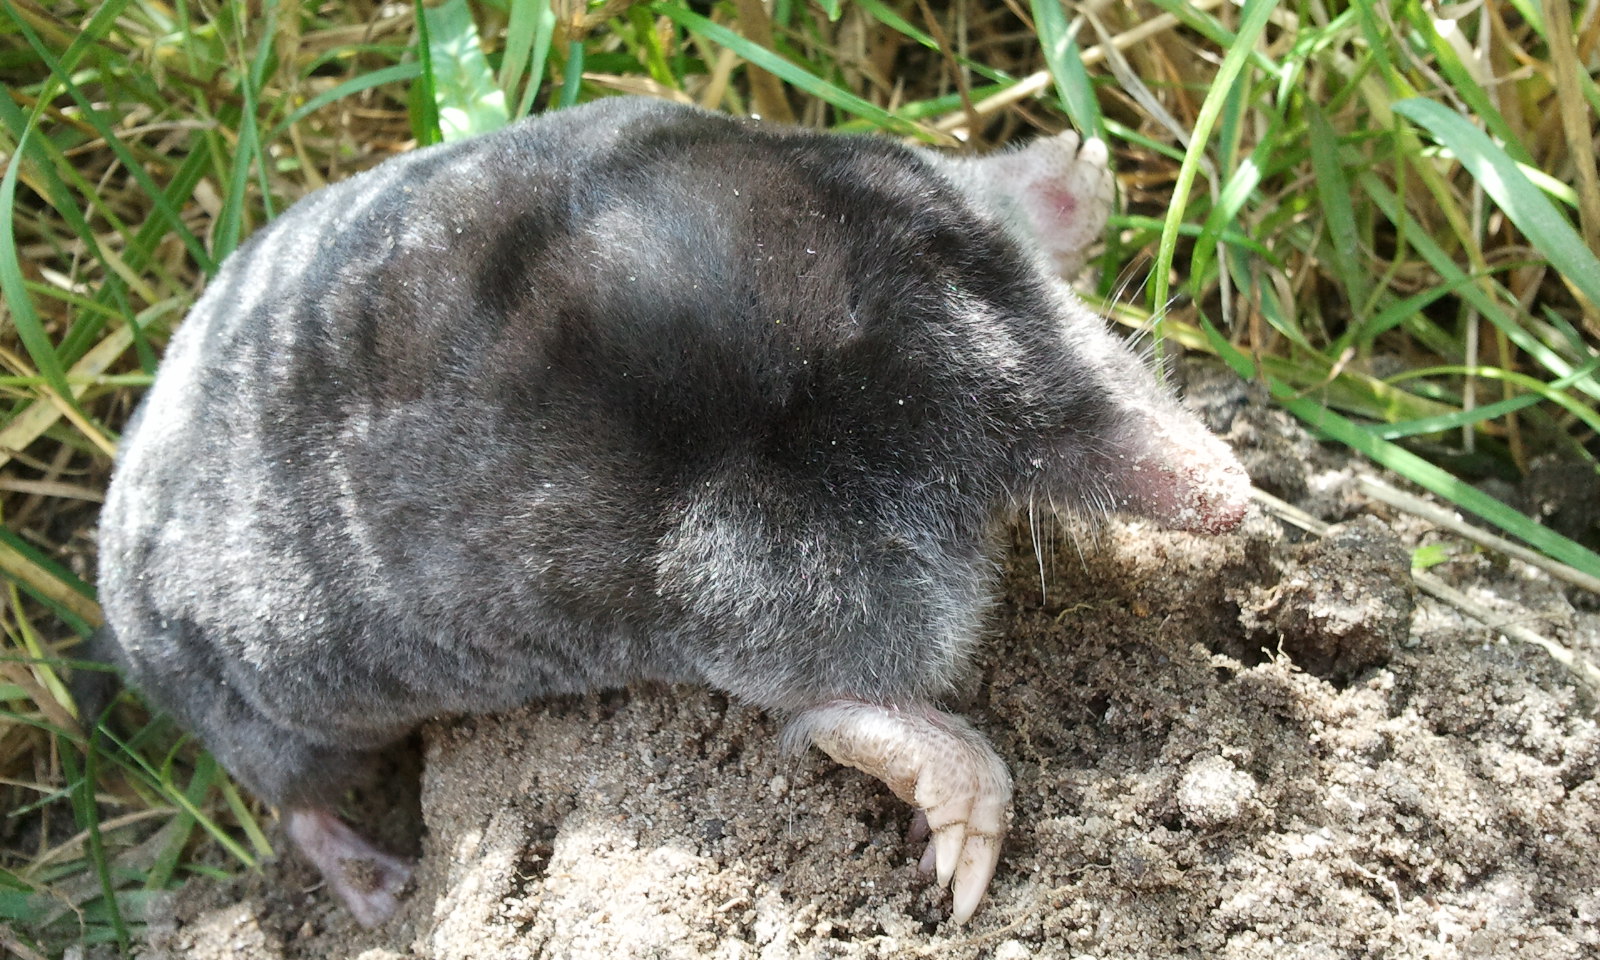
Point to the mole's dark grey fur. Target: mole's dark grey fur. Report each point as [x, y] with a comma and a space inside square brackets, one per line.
[629, 391]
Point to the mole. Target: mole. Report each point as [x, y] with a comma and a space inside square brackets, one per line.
[624, 392]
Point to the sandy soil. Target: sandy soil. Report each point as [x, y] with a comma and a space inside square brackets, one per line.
[1254, 746]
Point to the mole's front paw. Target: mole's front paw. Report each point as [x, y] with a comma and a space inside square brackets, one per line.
[939, 764]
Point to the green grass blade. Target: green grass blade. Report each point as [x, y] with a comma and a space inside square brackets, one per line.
[45, 157]
[646, 45]
[1343, 241]
[880, 12]
[398, 73]
[182, 826]
[87, 814]
[48, 582]
[139, 245]
[1252, 22]
[572, 76]
[543, 37]
[1574, 341]
[1232, 121]
[23, 318]
[1153, 227]
[1550, 185]
[1218, 33]
[1282, 317]
[1554, 392]
[1490, 308]
[1065, 60]
[1236, 192]
[1411, 466]
[1428, 27]
[1399, 312]
[922, 109]
[468, 100]
[60, 70]
[1523, 202]
[246, 820]
[788, 71]
[1453, 421]
[517, 44]
[230, 222]
[528, 37]
[423, 96]
[160, 780]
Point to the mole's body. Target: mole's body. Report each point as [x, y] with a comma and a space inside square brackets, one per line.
[628, 392]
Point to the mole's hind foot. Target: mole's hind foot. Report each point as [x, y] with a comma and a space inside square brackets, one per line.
[937, 763]
[366, 880]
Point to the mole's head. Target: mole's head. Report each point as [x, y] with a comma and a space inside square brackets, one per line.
[1118, 439]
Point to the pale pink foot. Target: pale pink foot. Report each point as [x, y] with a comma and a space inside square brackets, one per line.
[1066, 189]
[937, 763]
[1057, 191]
[366, 880]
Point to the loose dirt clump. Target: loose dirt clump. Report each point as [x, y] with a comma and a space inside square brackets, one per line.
[1341, 607]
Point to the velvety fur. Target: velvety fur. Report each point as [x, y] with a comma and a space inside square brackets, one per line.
[628, 391]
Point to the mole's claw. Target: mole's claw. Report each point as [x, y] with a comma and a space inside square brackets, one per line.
[947, 842]
[936, 762]
[979, 855]
[978, 861]
[1094, 152]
